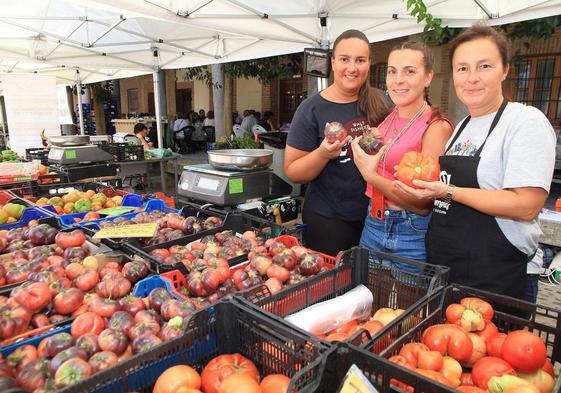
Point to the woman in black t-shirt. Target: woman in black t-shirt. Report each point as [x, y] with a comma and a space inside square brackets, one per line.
[335, 202]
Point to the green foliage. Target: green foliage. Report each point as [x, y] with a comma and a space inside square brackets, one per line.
[265, 69]
[435, 33]
[235, 142]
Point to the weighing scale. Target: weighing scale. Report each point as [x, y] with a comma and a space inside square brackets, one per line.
[227, 188]
[73, 156]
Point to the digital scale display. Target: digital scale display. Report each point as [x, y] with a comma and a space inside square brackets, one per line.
[208, 184]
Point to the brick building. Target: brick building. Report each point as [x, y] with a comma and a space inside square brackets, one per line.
[534, 78]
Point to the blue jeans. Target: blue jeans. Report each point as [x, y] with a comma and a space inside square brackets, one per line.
[401, 233]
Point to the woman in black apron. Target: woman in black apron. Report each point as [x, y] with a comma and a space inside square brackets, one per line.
[479, 191]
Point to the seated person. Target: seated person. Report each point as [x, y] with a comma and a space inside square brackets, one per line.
[141, 132]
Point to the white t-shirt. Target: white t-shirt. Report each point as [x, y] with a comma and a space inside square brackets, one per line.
[180, 123]
[208, 122]
[520, 152]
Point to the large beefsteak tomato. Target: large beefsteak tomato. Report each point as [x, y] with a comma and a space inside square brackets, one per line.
[223, 366]
[416, 166]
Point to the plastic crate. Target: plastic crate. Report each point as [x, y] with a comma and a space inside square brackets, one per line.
[124, 151]
[60, 189]
[38, 336]
[390, 287]
[372, 357]
[30, 214]
[226, 328]
[236, 222]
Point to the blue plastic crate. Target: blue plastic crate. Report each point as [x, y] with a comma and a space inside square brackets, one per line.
[68, 220]
[146, 285]
[35, 340]
[30, 214]
[153, 204]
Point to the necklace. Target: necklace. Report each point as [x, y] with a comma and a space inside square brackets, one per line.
[401, 132]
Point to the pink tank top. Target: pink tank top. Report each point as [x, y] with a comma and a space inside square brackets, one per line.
[410, 140]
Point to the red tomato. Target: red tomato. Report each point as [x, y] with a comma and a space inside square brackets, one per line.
[479, 305]
[488, 367]
[548, 368]
[525, 351]
[430, 360]
[489, 331]
[88, 322]
[86, 279]
[495, 345]
[470, 389]
[68, 301]
[34, 296]
[435, 375]
[177, 379]
[74, 238]
[416, 166]
[223, 366]
[410, 351]
[479, 350]
[345, 328]
[275, 383]
[239, 383]
[22, 356]
[449, 339]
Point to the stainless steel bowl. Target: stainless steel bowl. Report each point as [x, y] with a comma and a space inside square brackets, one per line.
[69, 140]
[240, 159]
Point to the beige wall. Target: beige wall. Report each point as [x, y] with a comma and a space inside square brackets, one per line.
[201, 96]
[248, 95]
[144, 84]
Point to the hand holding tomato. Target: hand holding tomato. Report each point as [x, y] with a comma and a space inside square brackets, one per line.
[416, 166]
[366, 164]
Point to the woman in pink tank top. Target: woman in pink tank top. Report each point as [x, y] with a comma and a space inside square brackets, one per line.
[396, 223]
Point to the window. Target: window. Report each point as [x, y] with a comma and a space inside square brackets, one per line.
[132, 99]
[378, 75]
[536, 81]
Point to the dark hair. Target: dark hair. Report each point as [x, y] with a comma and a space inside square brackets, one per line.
[481, 30]
[370, 100]
[180, 115]
[428, 62]
[210, 115]
[139, 127]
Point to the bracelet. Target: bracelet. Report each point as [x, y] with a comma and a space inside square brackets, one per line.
[449, 193]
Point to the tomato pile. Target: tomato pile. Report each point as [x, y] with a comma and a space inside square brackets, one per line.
[514, 362]
[231, 373]
[110, 328]
[171, 226]
[372, 325]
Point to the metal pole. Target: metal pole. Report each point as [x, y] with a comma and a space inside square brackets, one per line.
[80, 109]
[156, 78]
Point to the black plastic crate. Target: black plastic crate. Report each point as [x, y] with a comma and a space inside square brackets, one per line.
[545, 321]
[409, 327]
[236, 222]
[59, 189]
[124, 151]
[390, 287]
[40, 154]
[226, 328]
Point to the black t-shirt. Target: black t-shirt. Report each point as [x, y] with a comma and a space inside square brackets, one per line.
[338, 192]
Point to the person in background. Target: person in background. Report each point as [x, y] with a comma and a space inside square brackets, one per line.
[209, 120]
[335, 203]
[202, 115]
[495, 174]
[179, 132]
[248, 122]
[398, 224]
[236, 119]
[267, 121]
[141, 132]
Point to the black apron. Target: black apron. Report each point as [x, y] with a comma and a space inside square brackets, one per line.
[471, 243]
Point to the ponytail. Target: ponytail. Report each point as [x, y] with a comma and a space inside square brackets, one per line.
[372, 104]
[435, 110]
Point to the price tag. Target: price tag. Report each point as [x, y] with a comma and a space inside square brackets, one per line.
[356, 382]
[235, 186]
[113, 211]
[135, 230]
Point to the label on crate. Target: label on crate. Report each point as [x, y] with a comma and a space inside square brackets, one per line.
[135, 230]
[356, 382]
[235, 186]
[114, 211]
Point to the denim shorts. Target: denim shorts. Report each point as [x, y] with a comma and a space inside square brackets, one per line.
[401, 233]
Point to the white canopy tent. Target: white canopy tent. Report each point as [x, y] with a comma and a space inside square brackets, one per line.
[109, 39]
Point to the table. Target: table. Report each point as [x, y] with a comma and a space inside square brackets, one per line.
[132, 168]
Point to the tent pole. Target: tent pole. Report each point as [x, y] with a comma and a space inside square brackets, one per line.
[80, 109]
[156, 78]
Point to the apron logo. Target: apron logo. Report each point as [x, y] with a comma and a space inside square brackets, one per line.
[445, 177]
[441, 206]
